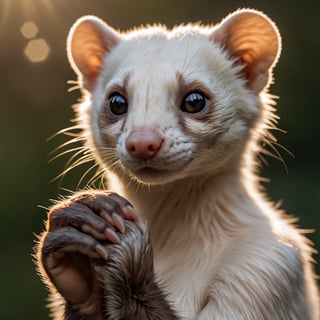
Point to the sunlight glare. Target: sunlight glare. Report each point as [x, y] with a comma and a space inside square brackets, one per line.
[37, 50]
[29, 30]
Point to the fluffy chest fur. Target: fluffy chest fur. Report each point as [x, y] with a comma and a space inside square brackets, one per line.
[199, 230]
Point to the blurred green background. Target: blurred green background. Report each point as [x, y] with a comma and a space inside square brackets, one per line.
[35, 104]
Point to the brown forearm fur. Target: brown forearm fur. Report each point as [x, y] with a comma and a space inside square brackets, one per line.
[129, 281]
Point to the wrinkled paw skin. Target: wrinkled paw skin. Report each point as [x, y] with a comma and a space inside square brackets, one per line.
[78, 233]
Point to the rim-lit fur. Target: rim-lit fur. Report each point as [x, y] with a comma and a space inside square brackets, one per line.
[221, 249]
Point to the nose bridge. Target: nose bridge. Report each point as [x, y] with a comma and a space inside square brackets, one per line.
[147, 104]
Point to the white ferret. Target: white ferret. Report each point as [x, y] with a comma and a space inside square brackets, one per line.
[176, 119]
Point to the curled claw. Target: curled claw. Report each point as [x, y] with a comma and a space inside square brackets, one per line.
[130, 213]
[118, 222]
[101, 251]
[99, 235]
[111, 235]
[114, 219]
[105, 215]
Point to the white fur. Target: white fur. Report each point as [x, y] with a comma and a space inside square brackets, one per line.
[222, 250]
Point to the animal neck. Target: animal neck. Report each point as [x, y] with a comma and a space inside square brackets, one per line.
[212, 206]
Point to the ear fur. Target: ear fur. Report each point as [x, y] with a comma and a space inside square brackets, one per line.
[89, 40]
[253, 39]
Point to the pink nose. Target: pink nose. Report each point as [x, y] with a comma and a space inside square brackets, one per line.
[144, 144]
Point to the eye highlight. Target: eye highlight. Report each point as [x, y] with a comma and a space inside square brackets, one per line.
[118, 104]
[194, 102]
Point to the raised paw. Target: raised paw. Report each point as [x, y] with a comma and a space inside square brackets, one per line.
[79, 230]
[97, 216]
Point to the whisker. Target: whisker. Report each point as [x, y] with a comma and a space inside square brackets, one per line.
[76, 84]
[85, 174]
[74, 156]
[72, 81]
[67, 131]
[98, 175]
[76, 87]
[283, 148]
[70, 192]
[70, 166]
[66, 152]
[72, 141]
[276, 155]
[76, 164]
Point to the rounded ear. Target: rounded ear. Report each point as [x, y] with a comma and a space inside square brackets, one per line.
[89, 40]
[254, 41]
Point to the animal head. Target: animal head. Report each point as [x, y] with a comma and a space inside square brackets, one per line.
[166, 104]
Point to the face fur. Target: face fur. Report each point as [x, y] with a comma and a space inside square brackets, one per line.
[166, 105]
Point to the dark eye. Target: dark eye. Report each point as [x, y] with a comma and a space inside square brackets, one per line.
[118, 104]
[194, 102]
